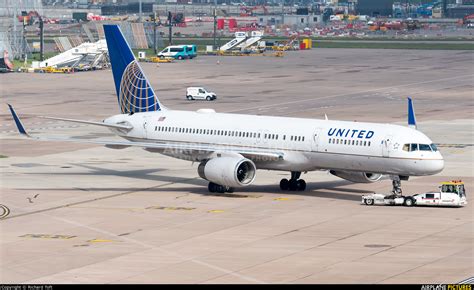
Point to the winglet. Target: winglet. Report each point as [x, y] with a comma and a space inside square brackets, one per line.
[18, 123]
[411, 114]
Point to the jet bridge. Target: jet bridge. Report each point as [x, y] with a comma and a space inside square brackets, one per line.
[239, 38]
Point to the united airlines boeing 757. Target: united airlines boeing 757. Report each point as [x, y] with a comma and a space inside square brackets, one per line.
[231, 147]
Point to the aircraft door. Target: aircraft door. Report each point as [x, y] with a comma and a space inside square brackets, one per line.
[386, 145]
[315, 140]
[146, 120]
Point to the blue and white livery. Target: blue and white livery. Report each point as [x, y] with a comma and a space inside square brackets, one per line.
[231, 147]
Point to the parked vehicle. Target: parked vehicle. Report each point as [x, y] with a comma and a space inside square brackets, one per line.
[199, 93]
[451, 193]
[191, 50]
[174, 51]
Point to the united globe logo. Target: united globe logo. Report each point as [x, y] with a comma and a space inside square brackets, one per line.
[136, 94]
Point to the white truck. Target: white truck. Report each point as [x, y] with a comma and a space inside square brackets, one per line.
[451, 193]
[199, 93]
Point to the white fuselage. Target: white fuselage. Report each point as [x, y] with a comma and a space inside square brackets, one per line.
[306, 144]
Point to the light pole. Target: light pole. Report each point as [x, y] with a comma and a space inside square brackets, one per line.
[140, 11]
[215, 24]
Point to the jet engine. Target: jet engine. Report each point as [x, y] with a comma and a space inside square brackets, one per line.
[229, 171]
[357, 177]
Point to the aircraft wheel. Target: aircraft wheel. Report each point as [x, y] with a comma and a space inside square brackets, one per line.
[212, 187]
[221, 188]
[293, 184]
[301, 184]
[284, 184]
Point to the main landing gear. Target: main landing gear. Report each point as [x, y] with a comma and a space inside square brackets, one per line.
[294, 184]
[219, 188]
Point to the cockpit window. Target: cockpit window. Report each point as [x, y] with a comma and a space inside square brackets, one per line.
[424, 147]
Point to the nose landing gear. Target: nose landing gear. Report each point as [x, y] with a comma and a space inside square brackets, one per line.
[294, 184]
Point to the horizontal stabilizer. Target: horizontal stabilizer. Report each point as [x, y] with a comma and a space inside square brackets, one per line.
[17, 120]
[115, 126]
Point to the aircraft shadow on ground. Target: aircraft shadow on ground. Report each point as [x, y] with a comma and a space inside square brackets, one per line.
[324, 189]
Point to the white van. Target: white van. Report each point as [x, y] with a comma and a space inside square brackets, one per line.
[174, 51]
[199, 93]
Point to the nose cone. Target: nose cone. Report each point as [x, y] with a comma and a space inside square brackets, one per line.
[435, 166]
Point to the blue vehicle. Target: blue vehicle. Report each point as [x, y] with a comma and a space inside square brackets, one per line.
[174, 51]
[191, 50]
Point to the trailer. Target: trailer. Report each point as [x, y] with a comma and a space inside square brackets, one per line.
[451, 193]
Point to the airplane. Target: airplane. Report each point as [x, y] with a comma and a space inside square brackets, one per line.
[231, 147]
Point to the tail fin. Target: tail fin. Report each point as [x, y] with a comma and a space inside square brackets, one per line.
[411, 114]
[134, 91]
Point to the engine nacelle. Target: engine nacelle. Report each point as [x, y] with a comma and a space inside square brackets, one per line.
[228, 171]
[357, 177]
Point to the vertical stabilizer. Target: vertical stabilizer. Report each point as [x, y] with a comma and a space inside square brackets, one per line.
[133, 89]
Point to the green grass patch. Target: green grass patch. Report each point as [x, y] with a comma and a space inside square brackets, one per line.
[3, 156]
[378, 45]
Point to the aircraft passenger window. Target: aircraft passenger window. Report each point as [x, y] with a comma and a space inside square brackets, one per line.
[284, 137]
[291, 139]
[345, 142]
[156, 128]
[353, 142]
[413, 147]
[258, 135]
[424, 147]
[369, 143]
[247, 134]
[337, 141]
[302, 139]
[365, 143]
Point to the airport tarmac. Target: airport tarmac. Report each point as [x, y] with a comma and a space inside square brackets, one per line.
[87, 214]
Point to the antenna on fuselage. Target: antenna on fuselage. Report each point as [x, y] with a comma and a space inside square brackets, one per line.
[411, 114]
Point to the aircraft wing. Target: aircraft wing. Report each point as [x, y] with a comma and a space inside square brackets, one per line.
[161, 147]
